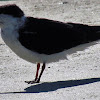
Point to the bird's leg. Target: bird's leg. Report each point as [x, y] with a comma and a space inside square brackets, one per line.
[43, 67]
[36, 77]
[37, 80]
[38, 67]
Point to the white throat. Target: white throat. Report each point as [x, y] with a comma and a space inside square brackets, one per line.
[9, 29]
[10, 26]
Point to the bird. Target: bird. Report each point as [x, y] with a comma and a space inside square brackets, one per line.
[42, 40]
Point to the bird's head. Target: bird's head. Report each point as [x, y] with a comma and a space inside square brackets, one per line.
[8, 13]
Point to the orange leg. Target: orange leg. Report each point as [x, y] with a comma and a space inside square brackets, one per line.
[43, 67]
[37, 80]
[38, 67]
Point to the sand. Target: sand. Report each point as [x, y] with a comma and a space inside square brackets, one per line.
[75, 78]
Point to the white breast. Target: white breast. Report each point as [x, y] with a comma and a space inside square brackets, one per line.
[10, 37]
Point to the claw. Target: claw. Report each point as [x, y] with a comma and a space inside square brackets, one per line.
[32, 82]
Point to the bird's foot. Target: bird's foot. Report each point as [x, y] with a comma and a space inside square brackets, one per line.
[32, 82]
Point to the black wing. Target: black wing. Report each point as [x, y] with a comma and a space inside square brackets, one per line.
[48, 37]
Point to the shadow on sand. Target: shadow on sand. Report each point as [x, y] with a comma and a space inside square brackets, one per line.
[52, 86]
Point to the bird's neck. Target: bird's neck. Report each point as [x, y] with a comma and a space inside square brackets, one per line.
[9, 31]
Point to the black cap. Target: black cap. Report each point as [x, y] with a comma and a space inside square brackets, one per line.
[12, 10]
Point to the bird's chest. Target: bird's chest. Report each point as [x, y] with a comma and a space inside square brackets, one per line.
[11, 40]
[9, 36]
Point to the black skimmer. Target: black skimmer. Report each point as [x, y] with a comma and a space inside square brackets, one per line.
[38, 40]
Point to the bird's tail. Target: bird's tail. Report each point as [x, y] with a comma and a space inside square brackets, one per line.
[88, 33]
[93, 33]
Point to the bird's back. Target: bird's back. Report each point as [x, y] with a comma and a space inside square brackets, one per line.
[48, 37]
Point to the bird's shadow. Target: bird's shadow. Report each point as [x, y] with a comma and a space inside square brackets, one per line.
[52, 86]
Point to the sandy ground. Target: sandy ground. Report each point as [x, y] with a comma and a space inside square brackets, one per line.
[77, 78]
